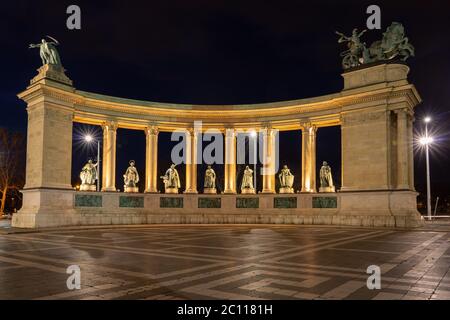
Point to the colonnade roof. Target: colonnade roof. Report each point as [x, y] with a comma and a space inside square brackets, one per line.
[208, 107]
[379, 88]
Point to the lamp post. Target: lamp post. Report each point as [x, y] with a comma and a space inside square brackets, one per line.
[426, 141]
[254, 135]
[88, 138]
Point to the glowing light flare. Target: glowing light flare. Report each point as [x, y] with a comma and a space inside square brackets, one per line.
[426, 140]
[85, 138]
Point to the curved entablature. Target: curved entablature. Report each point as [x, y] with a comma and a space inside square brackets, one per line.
[322, 111]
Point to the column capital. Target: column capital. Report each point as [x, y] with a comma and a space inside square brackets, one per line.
[308, 127]
[110, 125]
[268, 131]
[402, 111]
[230, 133]
[267, 126]
[192, 131]
[151, 130]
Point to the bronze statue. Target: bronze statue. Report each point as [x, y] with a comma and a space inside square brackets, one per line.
[131, 177]
[48, 52]
[326, 179]
[394, 44]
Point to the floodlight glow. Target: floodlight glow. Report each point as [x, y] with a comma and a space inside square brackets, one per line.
[253, 134]
[426, 141]
[88, 138]
[427, 120]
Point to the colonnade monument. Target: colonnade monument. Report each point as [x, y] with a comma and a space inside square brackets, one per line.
[375, 111]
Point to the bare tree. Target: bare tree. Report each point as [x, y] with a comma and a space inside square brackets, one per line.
[11, 165]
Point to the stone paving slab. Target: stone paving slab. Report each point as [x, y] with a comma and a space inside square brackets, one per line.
[225, 262]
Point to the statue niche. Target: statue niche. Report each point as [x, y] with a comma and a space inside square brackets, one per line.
[131, 178]
[247, 182]
[210, 181]
[326, 179]
[171, 180]
[89, 176]
[286, 180]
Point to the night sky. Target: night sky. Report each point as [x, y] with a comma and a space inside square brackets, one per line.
[222, 52]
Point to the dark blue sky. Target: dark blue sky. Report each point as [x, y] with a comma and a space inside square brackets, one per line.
[222, 52]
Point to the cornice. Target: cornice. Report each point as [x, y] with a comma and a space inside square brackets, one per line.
[322, 111]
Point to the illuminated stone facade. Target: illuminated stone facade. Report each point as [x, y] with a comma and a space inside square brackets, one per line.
[375, 111]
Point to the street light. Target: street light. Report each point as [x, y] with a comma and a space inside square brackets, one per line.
[254, 135]
[427, 141]
[89, 138]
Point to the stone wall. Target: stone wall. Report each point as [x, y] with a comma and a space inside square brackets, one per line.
[371, 209]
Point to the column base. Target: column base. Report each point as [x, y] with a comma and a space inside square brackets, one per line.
[286, 190]
[131, 189]
[109, 190]
[268, 192]
[171, 190]
[327, 189]
[210, 191]
[88, 187]
[190, 192]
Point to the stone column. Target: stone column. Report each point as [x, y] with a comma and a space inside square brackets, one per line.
[402, 150]
[269, 160]
[230, 161]
[151, 159]
[411, 152]
[308, 157]
[191, 161]
[109, 156]
[49, 145]
[48, 194]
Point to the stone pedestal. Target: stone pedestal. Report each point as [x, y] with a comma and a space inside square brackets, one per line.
[210, 191]
[45, 208]
[376, 76]
[131, 189]
[381, 161]
[54, 208]
[171, 190]
[327, 189]
[88, 187]
[47, 198]
[248, 191]
[53, 74]
[286, 190]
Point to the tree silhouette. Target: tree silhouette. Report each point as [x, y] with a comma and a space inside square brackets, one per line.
[12, 164]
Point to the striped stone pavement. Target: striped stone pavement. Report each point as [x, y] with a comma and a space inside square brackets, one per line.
[225, 262]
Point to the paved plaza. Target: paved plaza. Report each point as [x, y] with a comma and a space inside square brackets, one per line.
[225, 262]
